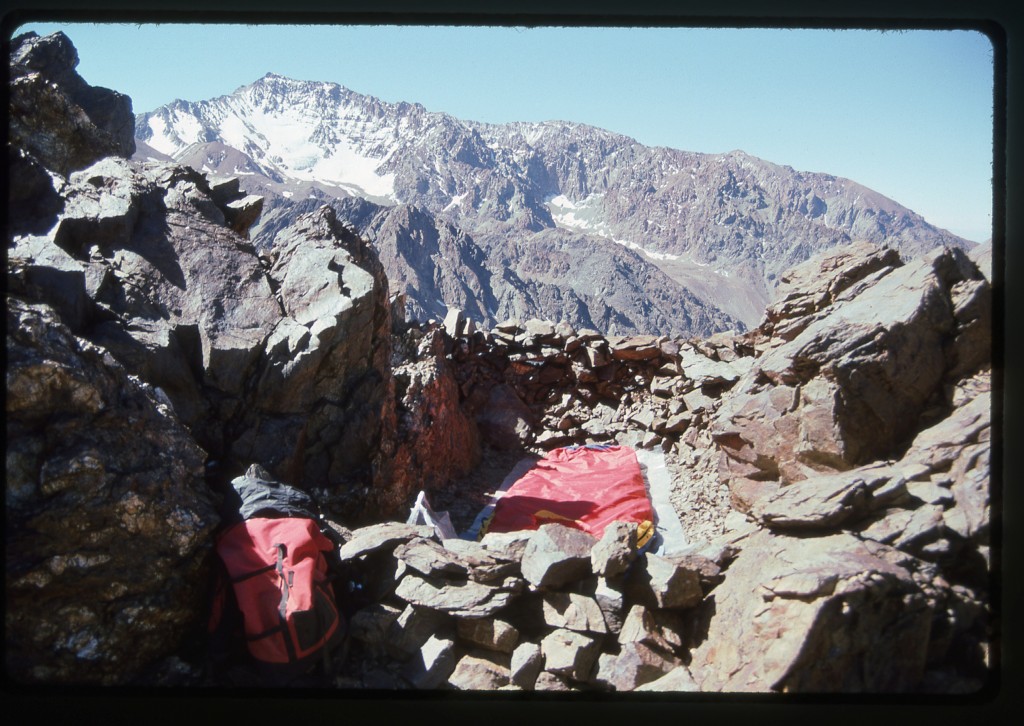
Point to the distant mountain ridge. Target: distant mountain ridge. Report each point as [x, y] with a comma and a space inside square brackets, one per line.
[557, 219]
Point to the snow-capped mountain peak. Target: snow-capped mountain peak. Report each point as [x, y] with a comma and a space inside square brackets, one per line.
[721, 227]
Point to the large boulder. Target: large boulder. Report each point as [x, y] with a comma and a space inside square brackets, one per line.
[805, 615]
[852, 386]
[322, 390]
[108, 518]
[858, 449]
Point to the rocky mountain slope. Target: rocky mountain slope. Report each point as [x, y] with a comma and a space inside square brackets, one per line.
[708, 234]
[830, 468]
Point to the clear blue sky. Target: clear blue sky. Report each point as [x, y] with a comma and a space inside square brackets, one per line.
[908, 113]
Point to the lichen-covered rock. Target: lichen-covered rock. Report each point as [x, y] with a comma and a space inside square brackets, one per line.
[108, 520]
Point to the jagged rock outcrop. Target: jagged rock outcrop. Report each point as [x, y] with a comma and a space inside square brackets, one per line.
[848, 385]
[262, 359]
[108, 517]
[852, 527]
[57, 117]
[282, 360]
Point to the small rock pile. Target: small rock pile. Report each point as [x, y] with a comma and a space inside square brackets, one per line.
[553, 609]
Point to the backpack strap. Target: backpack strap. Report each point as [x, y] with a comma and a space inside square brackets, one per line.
[285, 581]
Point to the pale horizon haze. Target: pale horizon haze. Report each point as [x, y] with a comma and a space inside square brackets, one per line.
[907, 113]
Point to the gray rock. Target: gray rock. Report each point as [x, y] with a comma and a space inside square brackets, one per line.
[825, 502]
[454, 322]
[526, 665]
[634, 665]
[704, 372]
[105, 496]
[539, 330]
[373, 624]
[505, 422]
[664, 386]
[463, 599]
[697, 402]
[55, 115]
[556, 555]
[507, 545]
[678, 679]
[641, 626]
[570, 654]
[785, 602]
[634, 348]
[671, 584]
[483, 564]
[433, 666]
[489, 633]
[413, 628]
[384, 536]
[866, 367]
[615, 551]
[479, 673]
[33, 199]
[38, 269]
[573, 611]
[241, 214]
[612, 604]
[431, 558]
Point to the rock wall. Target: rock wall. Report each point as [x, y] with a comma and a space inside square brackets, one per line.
[551, 610]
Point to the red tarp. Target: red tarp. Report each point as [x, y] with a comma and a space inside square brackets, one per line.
[586, 487]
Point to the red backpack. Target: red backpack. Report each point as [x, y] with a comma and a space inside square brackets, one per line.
[276, 560]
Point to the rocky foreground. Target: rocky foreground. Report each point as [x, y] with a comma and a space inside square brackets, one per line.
[830, 468]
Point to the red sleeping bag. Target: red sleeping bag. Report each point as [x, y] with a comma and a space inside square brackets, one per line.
[587, 487]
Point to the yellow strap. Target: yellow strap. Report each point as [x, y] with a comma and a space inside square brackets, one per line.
[548, 514]
[644, 531]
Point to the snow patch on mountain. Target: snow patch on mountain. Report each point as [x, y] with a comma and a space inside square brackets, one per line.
[581, 216]
[456, 201]
[584, 216]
